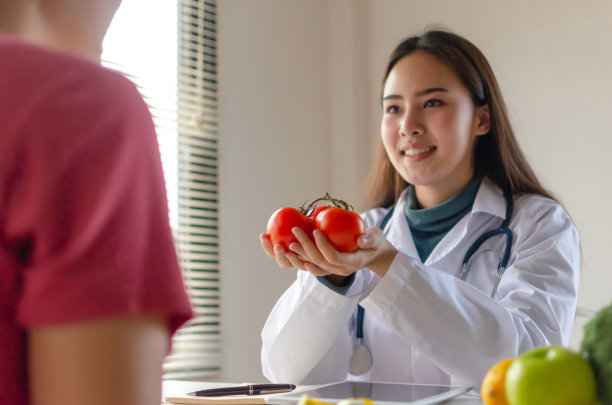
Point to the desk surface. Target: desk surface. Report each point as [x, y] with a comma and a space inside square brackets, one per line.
[179, 388]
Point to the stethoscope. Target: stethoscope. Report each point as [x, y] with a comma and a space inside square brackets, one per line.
[361, 359]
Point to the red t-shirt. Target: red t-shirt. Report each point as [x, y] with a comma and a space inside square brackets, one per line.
[84, 229]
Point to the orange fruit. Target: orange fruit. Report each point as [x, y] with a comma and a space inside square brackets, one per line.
[493, 389]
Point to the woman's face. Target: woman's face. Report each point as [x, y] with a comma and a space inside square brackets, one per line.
[429, 127]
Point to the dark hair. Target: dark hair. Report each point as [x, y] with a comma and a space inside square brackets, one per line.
[497, 154]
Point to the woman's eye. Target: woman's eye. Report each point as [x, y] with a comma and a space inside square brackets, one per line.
[434, 102]
[392, 109]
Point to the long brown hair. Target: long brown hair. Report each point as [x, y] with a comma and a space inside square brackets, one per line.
[497, 154]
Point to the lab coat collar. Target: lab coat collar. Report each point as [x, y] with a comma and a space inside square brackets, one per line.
[489, 200]
[399, 234]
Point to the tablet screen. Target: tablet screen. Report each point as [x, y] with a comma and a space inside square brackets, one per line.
[380, 393]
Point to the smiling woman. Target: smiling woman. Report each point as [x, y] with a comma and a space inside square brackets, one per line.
[171, 56]
[449, 172]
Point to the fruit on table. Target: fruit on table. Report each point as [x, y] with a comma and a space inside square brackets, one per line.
[356, 401]
[550, 376]
[596, 347]
[493, 389]
[306, 400]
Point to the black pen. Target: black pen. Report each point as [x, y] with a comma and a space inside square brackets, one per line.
[251, 389]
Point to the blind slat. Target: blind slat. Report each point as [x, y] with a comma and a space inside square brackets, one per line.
[184, 109]
[197, 183]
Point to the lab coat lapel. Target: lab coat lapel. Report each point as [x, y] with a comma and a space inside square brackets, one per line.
[399, 234]
[490, 199]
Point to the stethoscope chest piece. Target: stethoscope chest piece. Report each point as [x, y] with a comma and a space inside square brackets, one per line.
[361, 359]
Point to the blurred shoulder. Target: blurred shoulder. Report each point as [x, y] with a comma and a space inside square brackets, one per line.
[31, 74]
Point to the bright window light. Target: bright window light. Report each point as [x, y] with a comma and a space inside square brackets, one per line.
[141, 42]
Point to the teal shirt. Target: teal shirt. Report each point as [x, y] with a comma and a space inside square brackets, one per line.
[429, 225]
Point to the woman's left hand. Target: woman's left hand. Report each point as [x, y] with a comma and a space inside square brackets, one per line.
[320, 257]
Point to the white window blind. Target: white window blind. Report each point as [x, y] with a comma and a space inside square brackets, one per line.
[168, 48]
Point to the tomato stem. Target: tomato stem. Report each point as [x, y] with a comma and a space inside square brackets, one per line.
[309, 207]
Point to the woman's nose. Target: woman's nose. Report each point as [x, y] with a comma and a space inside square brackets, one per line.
[411, 125]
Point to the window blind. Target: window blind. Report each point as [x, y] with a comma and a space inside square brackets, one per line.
[178, 80]
[197, 346]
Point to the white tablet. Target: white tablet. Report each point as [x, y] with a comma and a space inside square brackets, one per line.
[380, 393]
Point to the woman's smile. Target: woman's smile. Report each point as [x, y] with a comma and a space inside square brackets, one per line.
[417, 153]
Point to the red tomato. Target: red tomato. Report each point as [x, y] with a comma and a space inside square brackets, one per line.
[341, 227]
[281, 223]
[318, 210]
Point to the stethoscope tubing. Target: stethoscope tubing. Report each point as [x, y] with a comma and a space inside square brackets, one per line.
[359, 333]
[503, 228]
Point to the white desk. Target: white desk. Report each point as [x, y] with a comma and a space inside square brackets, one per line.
[178, 388]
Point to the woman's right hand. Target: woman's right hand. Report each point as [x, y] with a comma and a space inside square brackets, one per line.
[286, 259]
[320, 258]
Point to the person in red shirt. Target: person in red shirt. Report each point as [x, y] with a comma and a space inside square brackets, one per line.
[90, 286]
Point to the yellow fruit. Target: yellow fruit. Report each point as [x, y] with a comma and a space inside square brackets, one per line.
[306, 400]
[493, 389]
[356, 401]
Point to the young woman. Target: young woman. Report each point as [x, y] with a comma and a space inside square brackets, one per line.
[467, 259]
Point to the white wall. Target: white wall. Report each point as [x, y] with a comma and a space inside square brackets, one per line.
[299, 86]
[275, 120]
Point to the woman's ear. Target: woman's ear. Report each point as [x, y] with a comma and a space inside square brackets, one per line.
[483, 120]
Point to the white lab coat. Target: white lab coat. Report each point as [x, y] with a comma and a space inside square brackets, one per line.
[422, 323]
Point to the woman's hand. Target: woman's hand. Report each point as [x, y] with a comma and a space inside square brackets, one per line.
[375, 252]
[321, 259]
[285, 259]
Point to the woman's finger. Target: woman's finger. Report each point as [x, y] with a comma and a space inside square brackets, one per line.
[345, 263]
[371, 239]
[281, 258]
[295, 260]
[326, 249]
[297, 248]
[309, 249]
[266, 245]
[315, 270]
[323, 254]
[299, 262]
